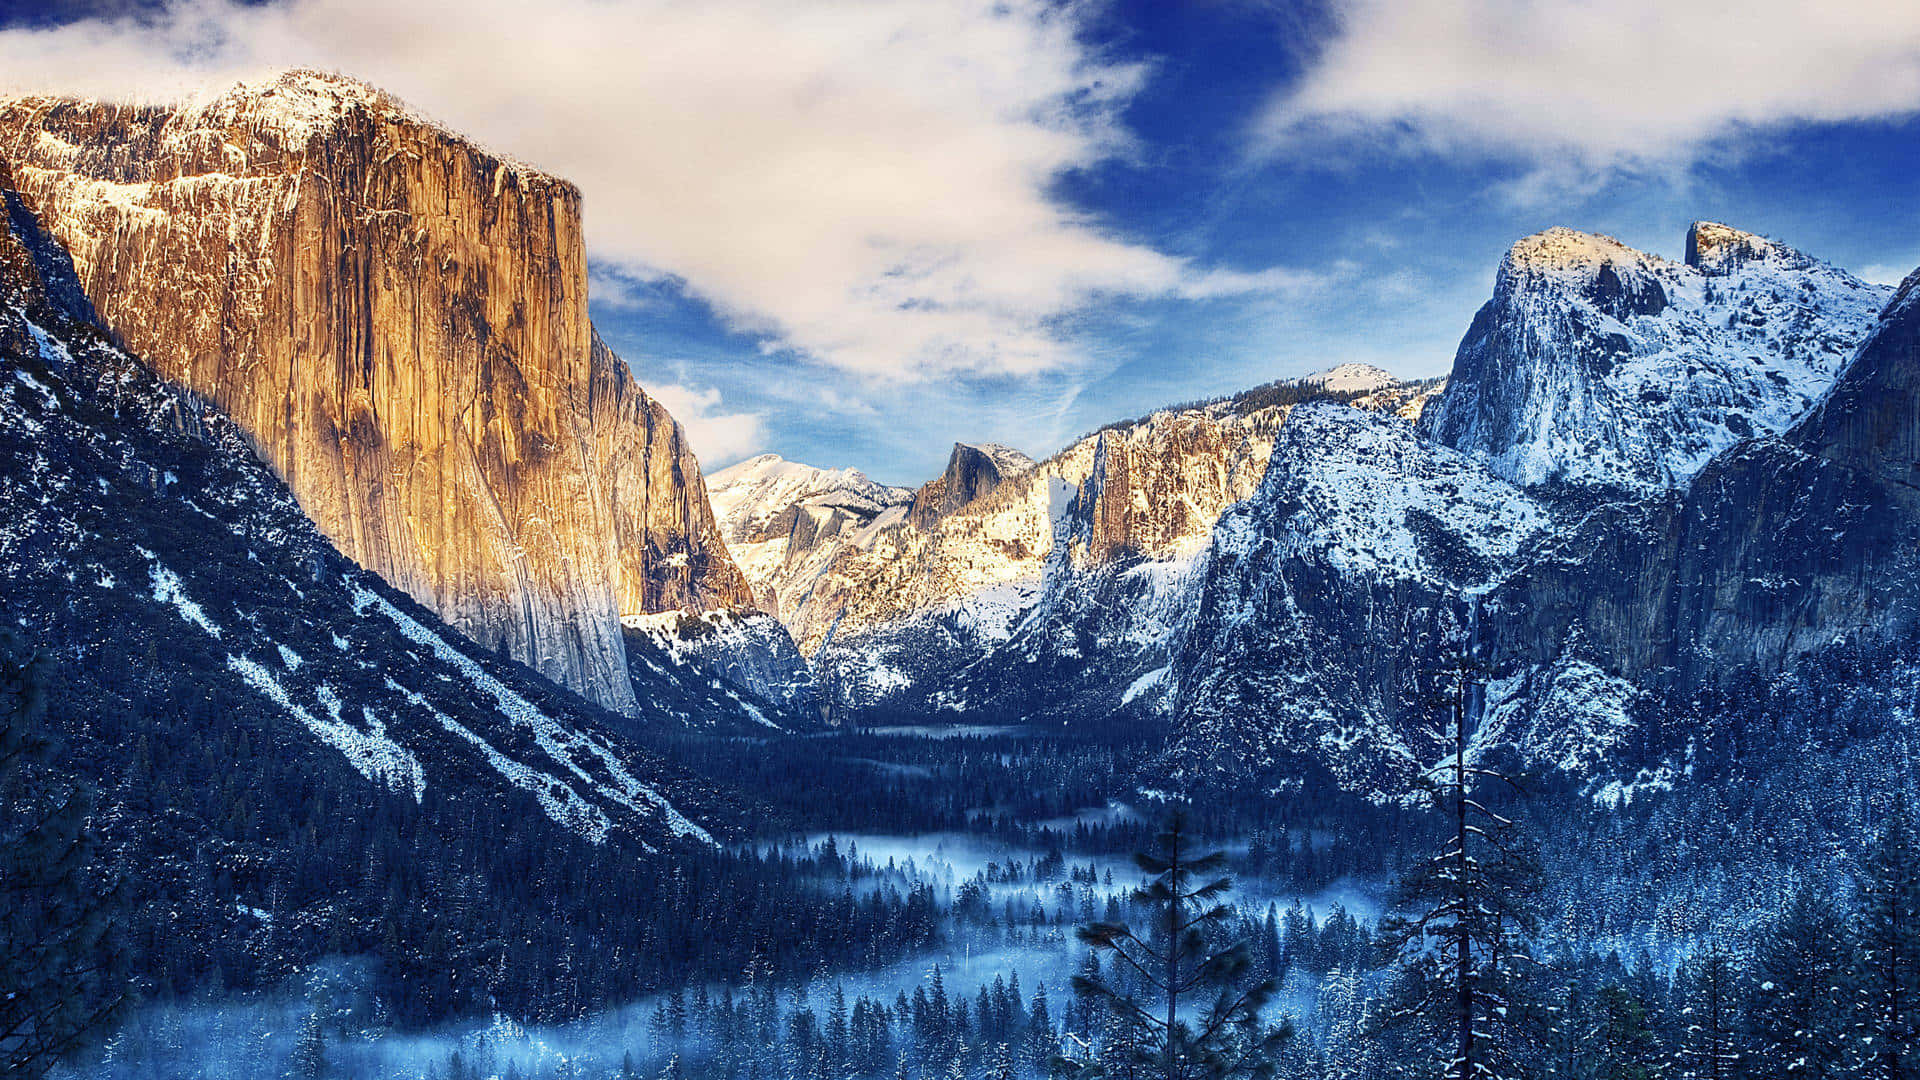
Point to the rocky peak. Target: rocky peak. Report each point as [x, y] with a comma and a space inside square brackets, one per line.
[1598, 364]
[1566, 252]
[973, 471]
[1718, 250]
[1598, 269]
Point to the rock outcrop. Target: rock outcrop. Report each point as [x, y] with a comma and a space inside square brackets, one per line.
[972, 473]
[398, 320]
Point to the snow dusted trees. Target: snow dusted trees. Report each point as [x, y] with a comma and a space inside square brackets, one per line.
[1888, 980]
[1707, 993]
[1797, 1015]
[58, 971]
[1178, 1000]
[1464, 918]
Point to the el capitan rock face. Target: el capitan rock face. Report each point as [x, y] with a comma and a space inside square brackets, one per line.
[398, 320]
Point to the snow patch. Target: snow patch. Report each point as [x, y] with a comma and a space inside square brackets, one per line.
[1152, 680]
[371, 752]
[167, 589]
[566, 747]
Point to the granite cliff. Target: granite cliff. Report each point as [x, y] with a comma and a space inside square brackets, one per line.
[398, 321]
[1594, 364]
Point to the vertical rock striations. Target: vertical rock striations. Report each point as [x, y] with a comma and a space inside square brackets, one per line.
[398, 320]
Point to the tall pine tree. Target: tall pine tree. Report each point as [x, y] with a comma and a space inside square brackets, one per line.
[1888, 1027]
[1464, 916]
[1797, 1015]
[1708, 992]
[1187, 1009]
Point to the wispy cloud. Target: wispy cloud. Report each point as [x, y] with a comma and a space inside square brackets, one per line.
[864, 182]
[1574, 90]
[1890, 273]
[718, 437]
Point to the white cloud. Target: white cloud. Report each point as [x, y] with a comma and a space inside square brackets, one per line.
[718, 438]
[1892, 273]
[861, 180]
[1573, 86]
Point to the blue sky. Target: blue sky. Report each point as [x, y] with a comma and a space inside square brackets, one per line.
[853, 233]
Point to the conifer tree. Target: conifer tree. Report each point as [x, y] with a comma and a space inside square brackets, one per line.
[309, 1049]
[1464, 915]
[1708, 996]
[1797, 1013]
[1627, 1048]
[1196, 1015]
[1041, 1043]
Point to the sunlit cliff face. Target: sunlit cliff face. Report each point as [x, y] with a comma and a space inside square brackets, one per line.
[398, 319]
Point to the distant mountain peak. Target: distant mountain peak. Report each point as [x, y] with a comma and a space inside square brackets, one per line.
[1008, 460]
[1352, 378]
[1562, 249]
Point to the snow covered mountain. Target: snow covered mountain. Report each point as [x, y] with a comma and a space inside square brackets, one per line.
[1535, 500]
[1781, 549]
[1318, 602]
[1054, 588]
[994, 609]
[1596, 364]
[1005, 588]
[784, 521]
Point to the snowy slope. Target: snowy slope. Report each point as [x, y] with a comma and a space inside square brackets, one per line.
[1318, 603]
[783, 521]
[1352, 379]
